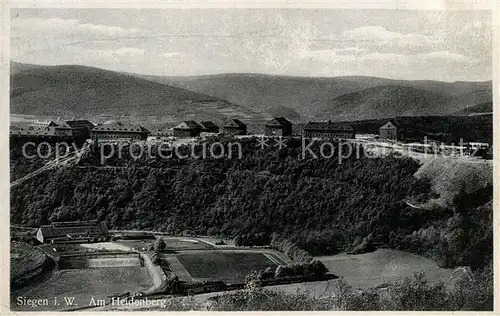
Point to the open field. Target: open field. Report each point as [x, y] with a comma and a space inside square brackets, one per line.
[83, 285]
[227, 266]
[375, 268]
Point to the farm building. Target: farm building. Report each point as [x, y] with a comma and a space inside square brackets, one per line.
[388, 131]
[279, 126]
[209, 127]
[70, 231]
[235, 127]
[81, 128]
[187, 129]
[117, 131]
[328, 130]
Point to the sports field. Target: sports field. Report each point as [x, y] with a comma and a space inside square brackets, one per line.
[82, 285]
[231, 267]
[184, 243]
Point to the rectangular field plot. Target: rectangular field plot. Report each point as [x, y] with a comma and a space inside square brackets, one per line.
[83, 285]
[231, 267]
[181, 243]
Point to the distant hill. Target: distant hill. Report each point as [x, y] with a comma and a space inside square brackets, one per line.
[93, 93]
[319, 97]
[79, 91]
[381, 102]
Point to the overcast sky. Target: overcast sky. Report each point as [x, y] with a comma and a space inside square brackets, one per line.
[437, 45]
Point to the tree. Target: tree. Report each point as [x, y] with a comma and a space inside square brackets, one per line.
[160, 245]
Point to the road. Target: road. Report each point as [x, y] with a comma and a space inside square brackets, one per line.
[52, 164]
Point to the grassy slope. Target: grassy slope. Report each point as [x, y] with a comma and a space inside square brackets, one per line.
[382, 266]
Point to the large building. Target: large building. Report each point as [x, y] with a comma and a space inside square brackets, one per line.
[187, 129]
[116, 131]
[328, 130]
[279, 126]
[388, 131]
[50, 130]
[161, 134]
[81, 128]
[235, 127]
[73, 231]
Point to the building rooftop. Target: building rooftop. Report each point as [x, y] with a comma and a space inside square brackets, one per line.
[279, 121]
[73, 228]
[208, 125]
[388, 125]
[120, 127]
[188, 125]
[32, 130]
[80, 123]
[235, 123]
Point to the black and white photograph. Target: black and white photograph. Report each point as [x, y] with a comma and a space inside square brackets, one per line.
[249, 159]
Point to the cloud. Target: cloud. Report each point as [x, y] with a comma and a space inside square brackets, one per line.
[172, 54]
[382, 37]
[57, 26]
[353, 55]
[119, 55]
[106, 29]
[446, 56]
[375, 33]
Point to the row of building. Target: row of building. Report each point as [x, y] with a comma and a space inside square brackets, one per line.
[51, 129]
[278, 126]
[115, 131]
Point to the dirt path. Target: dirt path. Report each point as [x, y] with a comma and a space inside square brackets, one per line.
[156, 273]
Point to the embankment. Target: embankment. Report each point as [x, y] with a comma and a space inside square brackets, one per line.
[28, 265]
[452, 178]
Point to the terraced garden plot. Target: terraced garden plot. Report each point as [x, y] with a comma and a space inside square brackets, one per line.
[231, 267]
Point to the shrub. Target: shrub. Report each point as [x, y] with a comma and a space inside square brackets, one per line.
[258, 239]
[416, 294]
[290, 249]
[160, 245]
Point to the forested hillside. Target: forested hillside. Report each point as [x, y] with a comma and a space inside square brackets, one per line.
[324, 206]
